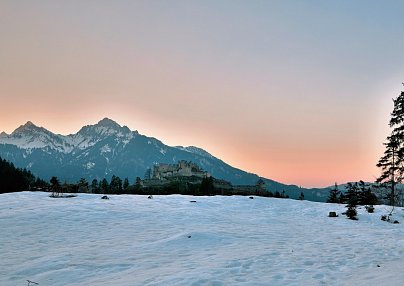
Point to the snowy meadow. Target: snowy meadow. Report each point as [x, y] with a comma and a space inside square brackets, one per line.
[169, 240]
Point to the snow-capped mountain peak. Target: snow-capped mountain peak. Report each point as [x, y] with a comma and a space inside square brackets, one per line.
[109, 123]
[90, 135]
[28, 127]
[30, 136]
[104, 127]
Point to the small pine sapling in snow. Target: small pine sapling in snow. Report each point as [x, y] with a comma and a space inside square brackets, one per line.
[351, 212]
[352, 199]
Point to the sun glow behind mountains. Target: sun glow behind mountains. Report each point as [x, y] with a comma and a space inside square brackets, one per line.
[292, 91]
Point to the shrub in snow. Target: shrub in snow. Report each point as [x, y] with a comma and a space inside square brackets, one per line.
[352, 198]
[55, 186]
[351, 213]
[370, 209]
[388, 219]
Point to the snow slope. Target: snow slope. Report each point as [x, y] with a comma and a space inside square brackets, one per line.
[131, 240]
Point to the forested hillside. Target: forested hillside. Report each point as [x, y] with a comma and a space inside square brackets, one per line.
[13, 179]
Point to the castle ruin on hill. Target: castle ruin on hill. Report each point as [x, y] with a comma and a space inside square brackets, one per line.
[182, 169]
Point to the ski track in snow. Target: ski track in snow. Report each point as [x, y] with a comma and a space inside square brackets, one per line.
[131, 240]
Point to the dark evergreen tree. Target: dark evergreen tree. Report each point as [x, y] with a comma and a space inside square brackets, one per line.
[365, 195]
[206, 187]
[125, 184]
[115, 185]
[342, 198]
[104, 186]
[95, 188]
[82, 185]
[392, 162]
[351, 195]
[334, 195]
[138, 183]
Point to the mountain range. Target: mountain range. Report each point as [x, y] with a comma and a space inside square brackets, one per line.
[107, 148]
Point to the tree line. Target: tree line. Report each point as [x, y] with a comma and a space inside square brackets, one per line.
[356, 193]
[115, 186]
[182, 185]
[14, 179]
[361, 192]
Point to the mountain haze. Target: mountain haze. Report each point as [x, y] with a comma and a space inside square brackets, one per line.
[106, 149]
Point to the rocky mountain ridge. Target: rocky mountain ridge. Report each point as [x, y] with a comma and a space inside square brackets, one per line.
[107, 148]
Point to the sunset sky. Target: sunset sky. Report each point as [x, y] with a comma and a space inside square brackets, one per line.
[295, 91]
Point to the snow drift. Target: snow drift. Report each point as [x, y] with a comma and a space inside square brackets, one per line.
[132, 240]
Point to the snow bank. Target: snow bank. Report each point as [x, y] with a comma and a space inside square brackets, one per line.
[132, 240]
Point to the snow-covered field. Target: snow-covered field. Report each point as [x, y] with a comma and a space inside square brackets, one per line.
[168, 240]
